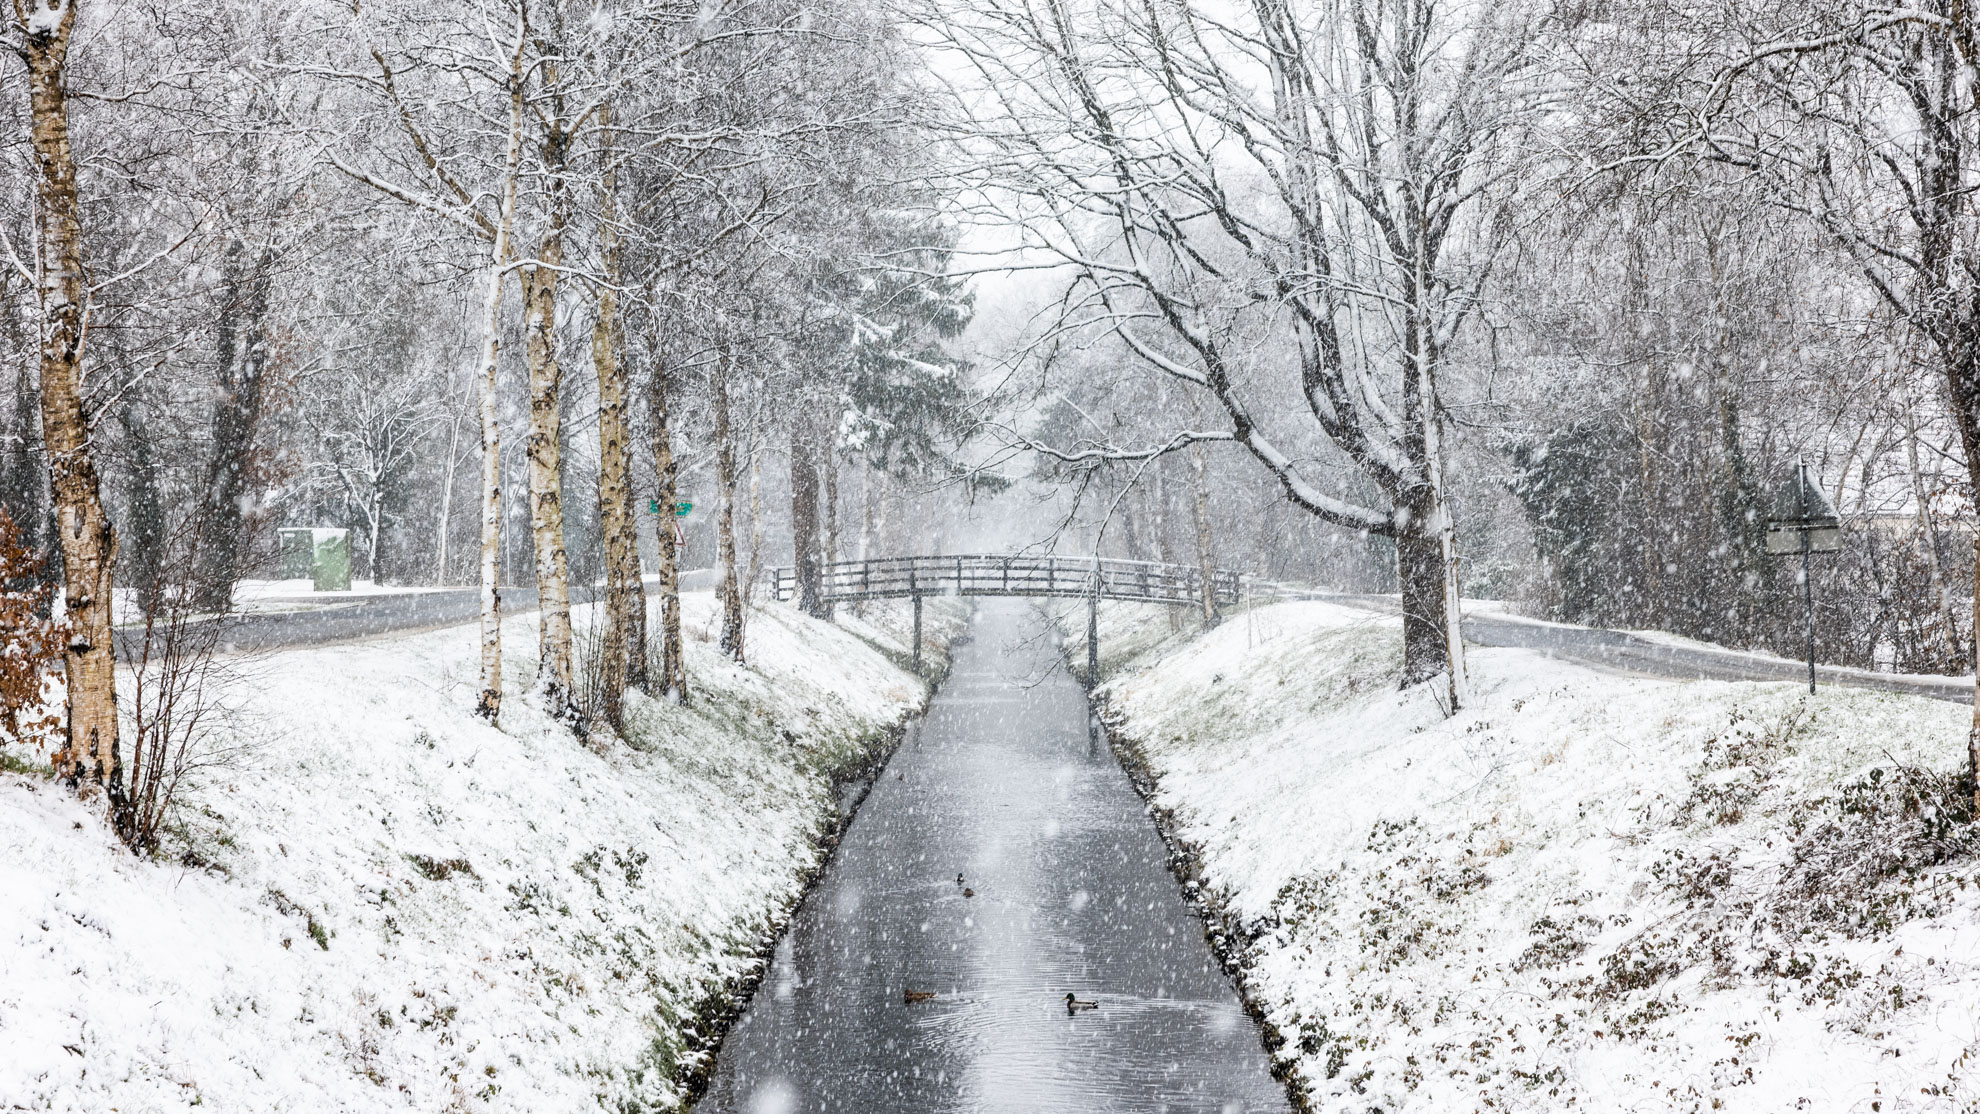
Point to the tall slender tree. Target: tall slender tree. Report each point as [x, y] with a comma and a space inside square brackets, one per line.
[89, 544]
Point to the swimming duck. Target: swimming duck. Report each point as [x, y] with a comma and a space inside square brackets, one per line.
[1074, 1005]
[967, 892]
[959, 880]
[910, 997]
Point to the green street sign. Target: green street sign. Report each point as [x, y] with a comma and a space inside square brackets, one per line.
[681, 510]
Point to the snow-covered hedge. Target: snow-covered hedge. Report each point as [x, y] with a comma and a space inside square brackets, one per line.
[1583, 891]
[390, 905]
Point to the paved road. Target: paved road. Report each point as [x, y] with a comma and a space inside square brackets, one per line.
[1623, 652]
[333, 619]
[1071, 893]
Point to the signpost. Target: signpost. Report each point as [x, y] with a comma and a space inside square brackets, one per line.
[681, 509]
[1803, 522]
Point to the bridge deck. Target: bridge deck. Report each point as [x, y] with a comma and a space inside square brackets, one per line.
[1005, 575]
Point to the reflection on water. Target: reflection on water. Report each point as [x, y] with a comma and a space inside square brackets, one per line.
[1064, 889]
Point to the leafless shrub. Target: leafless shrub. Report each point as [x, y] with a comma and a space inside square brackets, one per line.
[1859, 853]
[590, 668]
[178, 704]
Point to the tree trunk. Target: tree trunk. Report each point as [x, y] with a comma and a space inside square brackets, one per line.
[1427, 569]
[725, 523]
[804, 519]
[143, 540]
[1426, 544]
[489, 706]
[1928, 537]
[374, 549]
[1165, 550]
[673, 666]
[446, 502]
[556, 686]
[625, 598]
[869, 524]
[1206, 553]
[23, 475]
[755, 518]
[831, 473]
[236, 420]
[555, 681]
[89, 544]
[1961, 355]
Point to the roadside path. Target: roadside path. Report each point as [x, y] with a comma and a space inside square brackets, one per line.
[1623, 652]
[332, 618]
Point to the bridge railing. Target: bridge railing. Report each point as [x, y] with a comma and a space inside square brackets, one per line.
[1009, 575]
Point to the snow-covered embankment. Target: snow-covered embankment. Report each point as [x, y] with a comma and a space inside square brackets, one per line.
[1580, 892]
[390, 905]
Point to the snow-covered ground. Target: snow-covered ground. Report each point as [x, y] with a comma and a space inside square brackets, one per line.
[387, 904]
[1580, 892]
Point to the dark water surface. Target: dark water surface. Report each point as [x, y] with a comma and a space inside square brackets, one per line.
[1072, 893]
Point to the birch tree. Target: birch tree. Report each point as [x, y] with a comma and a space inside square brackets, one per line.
[45, 29]
[472, 190]
[556, 686]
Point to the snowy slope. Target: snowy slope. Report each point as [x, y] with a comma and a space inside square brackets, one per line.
[399, 907]
[1580, 892]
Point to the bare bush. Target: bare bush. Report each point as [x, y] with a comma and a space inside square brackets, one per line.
[177, 704]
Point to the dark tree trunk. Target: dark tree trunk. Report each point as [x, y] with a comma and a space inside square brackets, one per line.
[1424, 571]
[1420, 572]
[830, 471]
[725, 524]
[1206, 550]
[23, 471]
[236, 419]
[805, 542]
[144, 534]
[1959, 347]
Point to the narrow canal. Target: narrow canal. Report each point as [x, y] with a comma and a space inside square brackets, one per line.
[1064, 889]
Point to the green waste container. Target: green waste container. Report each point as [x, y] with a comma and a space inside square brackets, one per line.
[332, 566]
[298, 552]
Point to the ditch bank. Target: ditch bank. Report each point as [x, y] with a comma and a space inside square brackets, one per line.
[1580, 891]
[376, 899]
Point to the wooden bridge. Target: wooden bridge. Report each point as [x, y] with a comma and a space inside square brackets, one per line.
[981, 574]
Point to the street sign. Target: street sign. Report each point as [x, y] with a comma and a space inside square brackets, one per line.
[1786, 541]
[1802, 511]
[1803, 522]
[681, 509]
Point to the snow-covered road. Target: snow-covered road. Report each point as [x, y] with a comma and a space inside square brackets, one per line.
[1064, 888]
[1656, 654]
[328, 618]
